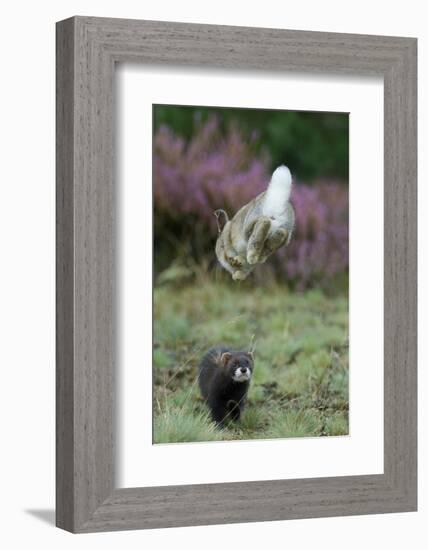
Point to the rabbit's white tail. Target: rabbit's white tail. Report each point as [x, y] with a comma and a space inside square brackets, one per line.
[278, 192]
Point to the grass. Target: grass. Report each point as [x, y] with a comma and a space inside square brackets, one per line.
[300, 382]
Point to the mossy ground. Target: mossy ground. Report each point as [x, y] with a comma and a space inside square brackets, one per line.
[300, 382]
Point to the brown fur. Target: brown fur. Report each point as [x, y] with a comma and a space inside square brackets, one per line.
[250, 238]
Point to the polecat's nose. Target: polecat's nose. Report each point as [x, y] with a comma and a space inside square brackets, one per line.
[243, 370]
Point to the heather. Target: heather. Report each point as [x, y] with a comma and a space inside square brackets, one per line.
[221, 167]
[314, 143]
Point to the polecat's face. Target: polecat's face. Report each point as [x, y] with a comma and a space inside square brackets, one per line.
[239, 366]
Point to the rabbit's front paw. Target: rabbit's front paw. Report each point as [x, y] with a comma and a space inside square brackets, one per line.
[239, 275]
[236, 261]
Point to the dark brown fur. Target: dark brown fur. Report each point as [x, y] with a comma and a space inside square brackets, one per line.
[225, 396]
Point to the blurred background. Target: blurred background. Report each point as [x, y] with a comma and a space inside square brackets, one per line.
[293, 309]
[209, 158]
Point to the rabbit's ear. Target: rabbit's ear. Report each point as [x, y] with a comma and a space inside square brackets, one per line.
[222, 219]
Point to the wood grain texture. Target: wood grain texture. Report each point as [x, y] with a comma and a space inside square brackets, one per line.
[87, 50]
[64, 278]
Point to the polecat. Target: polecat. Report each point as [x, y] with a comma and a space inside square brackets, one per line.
[224, 379]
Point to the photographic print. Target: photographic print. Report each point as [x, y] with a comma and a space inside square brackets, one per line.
[240, 264]
[251, 274]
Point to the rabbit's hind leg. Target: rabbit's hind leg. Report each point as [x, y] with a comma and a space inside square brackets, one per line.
[273, 242]
[257, 239]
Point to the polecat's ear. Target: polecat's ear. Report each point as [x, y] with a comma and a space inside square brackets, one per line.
[225, 358]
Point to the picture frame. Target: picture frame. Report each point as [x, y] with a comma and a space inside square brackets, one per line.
[87, 50]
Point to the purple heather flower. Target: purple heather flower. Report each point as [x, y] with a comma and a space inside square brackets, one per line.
[214, 170]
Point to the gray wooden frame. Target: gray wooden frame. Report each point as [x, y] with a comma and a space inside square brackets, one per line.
[87, 50]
